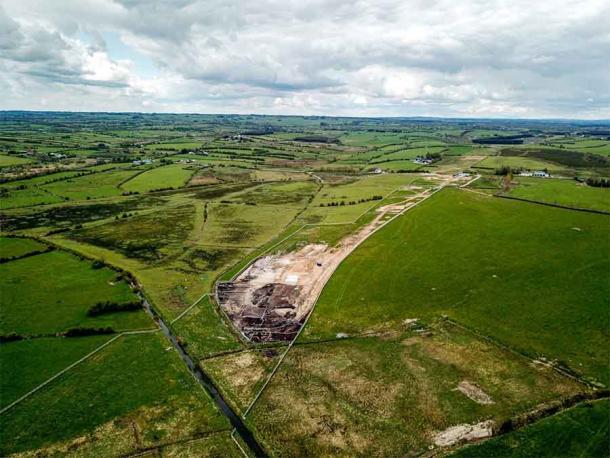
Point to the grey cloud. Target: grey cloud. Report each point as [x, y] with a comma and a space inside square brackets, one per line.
[548, 58]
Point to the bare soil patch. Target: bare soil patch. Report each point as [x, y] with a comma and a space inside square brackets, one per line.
[271, 299]
[464, 433]
[473, 392]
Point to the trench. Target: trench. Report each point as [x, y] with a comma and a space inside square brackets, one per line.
[207, 384]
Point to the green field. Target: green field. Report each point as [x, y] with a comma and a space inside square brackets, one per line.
[28, 363]
[148, 237]
[134, 383]
[241, 375]
[178, 145]
[562, 192]
[295, 194]
[205, 331]
[502, 267]
[410, 153]
[94, 186]
[7, 161]
[52, 292]
[246, 226]
[583, 431]
[471, 305]
[396, 166]
[388, 395]
[601, 147]
[169, 176]
[27, 197]
[516, 162]
[12, 247]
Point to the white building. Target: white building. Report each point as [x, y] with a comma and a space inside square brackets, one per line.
[540, 174]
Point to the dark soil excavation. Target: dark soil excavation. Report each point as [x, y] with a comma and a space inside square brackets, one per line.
[273, 317]
[271, 299]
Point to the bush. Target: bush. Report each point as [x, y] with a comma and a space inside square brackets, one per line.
[83, 332]
[598, 182]
[102, 308]
[10, 338]
[505, 170]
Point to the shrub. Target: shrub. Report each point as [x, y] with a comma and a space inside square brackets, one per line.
[102, 308]
[13, 337]
[82, 332]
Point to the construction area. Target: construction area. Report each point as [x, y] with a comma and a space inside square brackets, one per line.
[271, 299]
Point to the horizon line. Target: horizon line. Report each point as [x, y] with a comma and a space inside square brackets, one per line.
[419, 117]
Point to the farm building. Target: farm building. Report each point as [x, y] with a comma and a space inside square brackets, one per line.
[422, 160]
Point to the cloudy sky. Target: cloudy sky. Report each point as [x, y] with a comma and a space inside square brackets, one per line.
[500, 58]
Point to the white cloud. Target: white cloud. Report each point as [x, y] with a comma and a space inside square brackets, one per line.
[376, 57]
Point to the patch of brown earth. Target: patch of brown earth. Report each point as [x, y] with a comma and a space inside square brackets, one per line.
[199, 180]
[271, 299]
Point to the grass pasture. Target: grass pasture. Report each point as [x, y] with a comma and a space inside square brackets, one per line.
[73, 214]
[93, 186]
[583, 431]
[148, 238]
[15, 198]
[588, 145]
[294, 194]
[28, 363]
[517, 162]
[365, 188]
[131, 395]
[9, 161]
[562, 192]
[168, 176]
[205, 331]
[395, 166]
[241, 375]
[13, 247]
[245, 226]
[52, 292]
[505, 268]
[388, 395]
[217, 445]
[410, 153]
[565, 157]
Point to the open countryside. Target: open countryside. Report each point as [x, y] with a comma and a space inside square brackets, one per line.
[214, 286]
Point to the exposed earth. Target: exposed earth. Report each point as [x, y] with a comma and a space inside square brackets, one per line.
[271, 299]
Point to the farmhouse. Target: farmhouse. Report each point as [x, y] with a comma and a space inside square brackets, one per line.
[540, 173]
[422, 160]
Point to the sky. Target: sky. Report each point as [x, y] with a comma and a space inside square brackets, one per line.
[454, 58]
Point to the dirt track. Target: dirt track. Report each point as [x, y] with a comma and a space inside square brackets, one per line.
[271, 299]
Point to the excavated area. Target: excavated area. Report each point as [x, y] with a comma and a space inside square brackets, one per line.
[271, 299]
